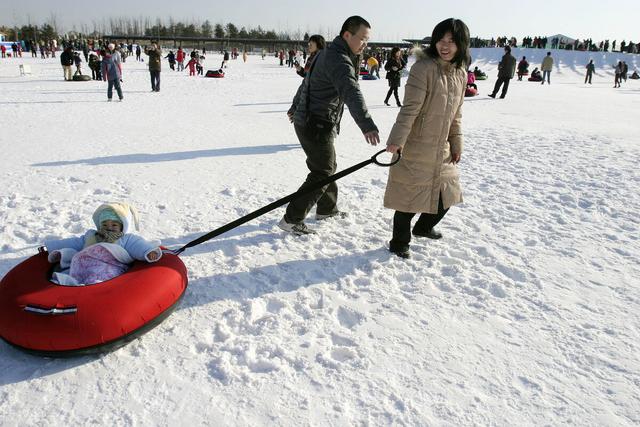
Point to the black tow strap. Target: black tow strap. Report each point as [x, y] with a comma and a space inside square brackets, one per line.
[302, 191]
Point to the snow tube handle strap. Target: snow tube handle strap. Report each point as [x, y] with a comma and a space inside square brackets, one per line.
[393, 162]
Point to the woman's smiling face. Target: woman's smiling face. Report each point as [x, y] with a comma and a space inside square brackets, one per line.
[447, 47]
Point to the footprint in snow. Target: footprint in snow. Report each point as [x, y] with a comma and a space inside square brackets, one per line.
[349, 318]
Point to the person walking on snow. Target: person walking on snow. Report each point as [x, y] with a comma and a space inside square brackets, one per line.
[547, 67]
[112, 74]
[428, 132]
[171, 57]
[332, 82]
[394, 67]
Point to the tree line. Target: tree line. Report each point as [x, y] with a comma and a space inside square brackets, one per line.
[130, 27]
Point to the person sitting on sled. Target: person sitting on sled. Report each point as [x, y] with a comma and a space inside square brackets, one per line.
[536, 75]
[103, 253]
[479, 73]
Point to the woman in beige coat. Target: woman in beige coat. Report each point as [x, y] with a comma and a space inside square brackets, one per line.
[429, 135]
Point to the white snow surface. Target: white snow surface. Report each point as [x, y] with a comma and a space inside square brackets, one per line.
[525, 313]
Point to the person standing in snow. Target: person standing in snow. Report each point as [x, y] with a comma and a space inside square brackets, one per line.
[332, 82]
[112, 74]
[78, 63]
[66, 59]
[506, 70]
[428, 132]
[155, 62]
[200, 64]
[225, 59]
[180, 59]
[590, 69]
[547, 67]
[394, 67]
[618, 74]
[192, 66]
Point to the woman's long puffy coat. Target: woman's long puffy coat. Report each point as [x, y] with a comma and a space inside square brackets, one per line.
[428, 128]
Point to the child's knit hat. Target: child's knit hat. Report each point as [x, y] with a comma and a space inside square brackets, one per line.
[108, 214]
[122, 212]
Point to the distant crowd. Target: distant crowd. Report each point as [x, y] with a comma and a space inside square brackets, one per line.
[560, 43]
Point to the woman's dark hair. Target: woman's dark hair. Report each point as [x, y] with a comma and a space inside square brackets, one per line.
[393, 52]
[318, 40]
[460, 33]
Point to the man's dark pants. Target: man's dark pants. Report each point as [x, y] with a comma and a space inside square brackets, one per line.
[155, 80]
[500, 82]
[321, 160]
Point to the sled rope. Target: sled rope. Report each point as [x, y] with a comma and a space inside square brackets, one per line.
[293, 196]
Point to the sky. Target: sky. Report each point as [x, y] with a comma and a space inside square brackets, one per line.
[390, 21]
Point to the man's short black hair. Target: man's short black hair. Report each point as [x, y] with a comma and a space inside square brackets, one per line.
[353, 24]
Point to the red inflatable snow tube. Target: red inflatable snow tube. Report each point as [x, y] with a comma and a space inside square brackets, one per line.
[470, 91]
[41, 317]
[216, 74]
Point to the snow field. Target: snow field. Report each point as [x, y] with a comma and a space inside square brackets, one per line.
[526, 313]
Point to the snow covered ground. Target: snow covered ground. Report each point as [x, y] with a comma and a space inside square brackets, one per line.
[525, 313]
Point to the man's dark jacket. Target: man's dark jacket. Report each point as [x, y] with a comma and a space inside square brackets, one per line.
[155, 58]
[507, 66]
[66, 57]
[333, 78]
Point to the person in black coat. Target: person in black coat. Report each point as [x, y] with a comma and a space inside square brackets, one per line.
[394, 67]
[316, 112]
[66, 59]
[506, 70]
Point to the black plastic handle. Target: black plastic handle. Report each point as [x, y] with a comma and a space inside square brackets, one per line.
[375, 158]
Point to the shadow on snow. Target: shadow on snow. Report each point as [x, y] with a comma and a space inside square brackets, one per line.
[178, 155]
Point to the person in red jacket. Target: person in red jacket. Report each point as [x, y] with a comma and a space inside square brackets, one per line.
[192, 66]
[180, 59]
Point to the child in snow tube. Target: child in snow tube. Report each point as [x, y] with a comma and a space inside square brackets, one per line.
[215, 73]
[536, 76]
[635, 75]
[102, 254]
[472, 89]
